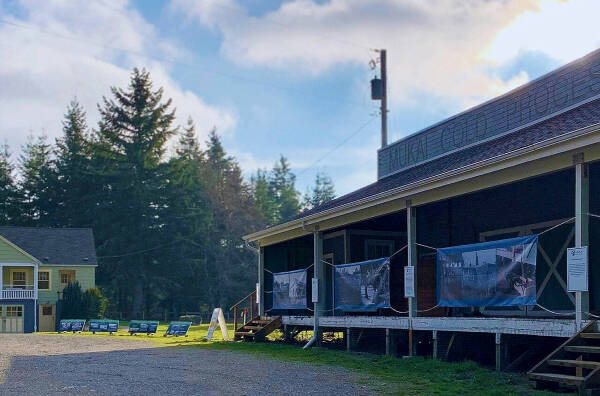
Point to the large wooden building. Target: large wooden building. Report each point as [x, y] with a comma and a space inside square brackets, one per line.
[524, 163]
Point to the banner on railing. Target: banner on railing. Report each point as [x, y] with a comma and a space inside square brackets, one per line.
[289, 289]
[498, 273]
[363, 286]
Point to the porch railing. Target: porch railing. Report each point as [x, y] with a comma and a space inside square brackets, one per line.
[18, 292]
[245, 306]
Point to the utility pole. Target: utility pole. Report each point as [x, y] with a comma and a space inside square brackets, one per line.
[383, 66]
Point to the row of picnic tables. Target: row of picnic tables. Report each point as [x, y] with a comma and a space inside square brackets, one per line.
[176, 328]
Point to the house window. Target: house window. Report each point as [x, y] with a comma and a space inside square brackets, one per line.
[14, 311]
[44, 280]
[47, 310]
[66, 277]
[375, 248]
[19, 279]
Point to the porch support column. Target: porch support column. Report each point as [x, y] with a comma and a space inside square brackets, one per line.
[435, 344]
[1, 280]
[261, 281]
[35, 291]
[498, 352]
[320, 275]
[582, 206]
[411, 240]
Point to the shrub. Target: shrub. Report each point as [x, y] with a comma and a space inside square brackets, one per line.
[94, 303]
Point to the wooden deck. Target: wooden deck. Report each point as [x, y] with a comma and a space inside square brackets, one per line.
[536, 327]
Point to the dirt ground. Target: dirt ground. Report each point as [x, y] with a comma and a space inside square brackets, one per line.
[32, 364]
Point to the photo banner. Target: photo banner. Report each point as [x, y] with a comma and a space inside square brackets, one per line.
[363, 286]
[289, 289]
[489, 274]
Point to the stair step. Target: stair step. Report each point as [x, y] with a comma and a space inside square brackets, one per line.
[244, 333]
[574, 363]
[562, 378]
[260, 321]
[582, 349]
[246, 327]
[590, 335]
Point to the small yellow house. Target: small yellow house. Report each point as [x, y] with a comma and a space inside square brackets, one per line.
[35, 266]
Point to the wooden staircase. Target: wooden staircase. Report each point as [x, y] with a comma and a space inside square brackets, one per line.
[258, 328]
[574, 364]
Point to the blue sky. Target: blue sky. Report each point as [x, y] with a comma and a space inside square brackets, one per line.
[282, 77]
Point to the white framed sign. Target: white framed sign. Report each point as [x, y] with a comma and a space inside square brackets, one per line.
[577, 269]
[315, 290]
[409, 281]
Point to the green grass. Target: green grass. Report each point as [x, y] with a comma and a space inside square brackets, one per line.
[389, 375]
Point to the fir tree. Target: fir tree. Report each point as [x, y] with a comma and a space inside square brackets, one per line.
[133, 130]
[8, 190]
[322, 192]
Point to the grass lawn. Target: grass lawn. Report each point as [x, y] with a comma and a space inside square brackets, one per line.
[389, 375]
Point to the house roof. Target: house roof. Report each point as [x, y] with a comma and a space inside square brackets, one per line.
[580, 117]
[56, 246]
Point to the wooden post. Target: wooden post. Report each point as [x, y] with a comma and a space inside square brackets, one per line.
[411, 240]
[261, 280]
[498, 353]
[235, 319]
[435, 344]
[320, 274]
[582, 205]
[387, 342]
[348, 339]
[383, 65]
[410, 342]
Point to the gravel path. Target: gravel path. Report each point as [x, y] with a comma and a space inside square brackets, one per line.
[48, 365]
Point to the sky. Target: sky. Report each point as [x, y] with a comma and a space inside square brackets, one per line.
[282, 77]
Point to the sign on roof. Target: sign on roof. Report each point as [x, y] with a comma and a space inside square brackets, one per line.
[558, 91]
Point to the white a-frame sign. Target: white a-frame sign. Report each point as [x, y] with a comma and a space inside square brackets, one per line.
[217, 316]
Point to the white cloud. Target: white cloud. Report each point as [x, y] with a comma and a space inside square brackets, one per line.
[434, 47]
[563, 30]
[64, 49]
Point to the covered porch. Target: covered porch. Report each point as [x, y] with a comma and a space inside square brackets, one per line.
[18, 281]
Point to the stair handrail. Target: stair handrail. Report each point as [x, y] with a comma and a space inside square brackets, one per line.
[242, 300]
[252, 297]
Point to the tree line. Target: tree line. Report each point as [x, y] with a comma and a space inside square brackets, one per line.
[167, 225]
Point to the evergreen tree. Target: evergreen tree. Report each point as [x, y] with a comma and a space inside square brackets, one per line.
[265, 197]
[322, 192]
[36, 186]
[283, 186]
[133, 130]
[8, 190]
[74, 187]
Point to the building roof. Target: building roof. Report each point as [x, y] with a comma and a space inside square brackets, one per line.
[57, 246]
[580, 117]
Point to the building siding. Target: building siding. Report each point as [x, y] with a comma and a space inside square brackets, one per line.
[85, 275]
[9, 254]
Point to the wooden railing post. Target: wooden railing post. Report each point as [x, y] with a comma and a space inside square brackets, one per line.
[235, 320]
[252, 307]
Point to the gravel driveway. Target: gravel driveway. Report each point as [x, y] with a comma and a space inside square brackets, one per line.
[47, 364]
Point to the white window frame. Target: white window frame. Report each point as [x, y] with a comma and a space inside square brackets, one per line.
[49, 280]
[12, 278]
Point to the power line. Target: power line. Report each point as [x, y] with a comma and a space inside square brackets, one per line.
[363, 126]
[139, 251]
[195, 67]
